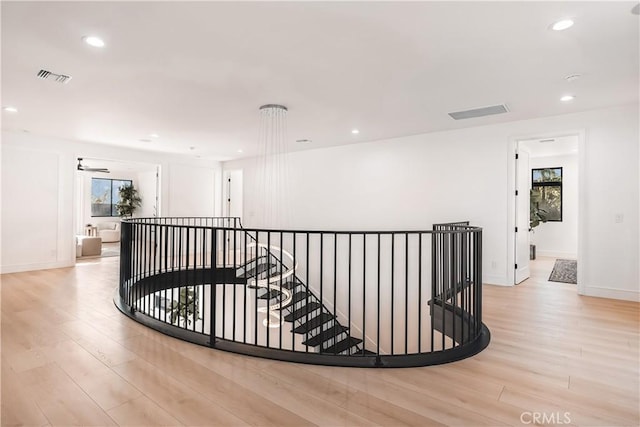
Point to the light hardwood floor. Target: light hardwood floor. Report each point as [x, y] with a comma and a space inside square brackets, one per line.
[70, 358]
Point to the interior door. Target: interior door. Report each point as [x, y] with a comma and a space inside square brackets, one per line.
[233, 193]
[522, 216]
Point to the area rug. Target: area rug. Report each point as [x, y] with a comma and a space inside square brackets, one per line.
[110, 251]
[565, 271]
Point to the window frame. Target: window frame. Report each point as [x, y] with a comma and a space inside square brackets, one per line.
[535, 184]
[112, 204]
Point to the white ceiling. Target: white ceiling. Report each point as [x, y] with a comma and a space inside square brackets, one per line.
[196, 73]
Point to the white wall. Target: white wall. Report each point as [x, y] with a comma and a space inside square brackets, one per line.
[192, 190]
[32, 200]
[560, 239]
[467, 174]
[146, 185]
[39, 200]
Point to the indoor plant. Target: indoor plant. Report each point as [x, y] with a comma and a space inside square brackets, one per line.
[129, 201]
[537, 215]
[187, 308]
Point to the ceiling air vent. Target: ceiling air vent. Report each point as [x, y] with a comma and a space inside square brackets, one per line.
[479, 112]
[48, 75]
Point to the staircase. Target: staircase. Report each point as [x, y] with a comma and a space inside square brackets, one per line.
[297, 304]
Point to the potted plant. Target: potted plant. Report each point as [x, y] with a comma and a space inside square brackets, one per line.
[537, 215]
[184, 311]
[129, 201]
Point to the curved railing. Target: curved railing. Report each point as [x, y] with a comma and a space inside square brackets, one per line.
[346, 298]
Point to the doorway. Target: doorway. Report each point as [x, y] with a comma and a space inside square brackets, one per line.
[97, 224]
[232, 206]
[546, 203]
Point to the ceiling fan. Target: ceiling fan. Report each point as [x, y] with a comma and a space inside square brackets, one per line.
[90, 169]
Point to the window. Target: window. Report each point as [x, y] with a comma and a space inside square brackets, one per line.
[547, 188]
[105, 195]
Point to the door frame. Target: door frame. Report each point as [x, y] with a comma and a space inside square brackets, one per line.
[233, 203]
[512, 148]
[79, 199]
[520, 189]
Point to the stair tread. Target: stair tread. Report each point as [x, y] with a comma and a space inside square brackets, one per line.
[302, 312]
[261, 268]
[285, 285]
[290, 284]
[272, 293]
[342, 345]
[325, 335]
[299, 296]
[313, 323]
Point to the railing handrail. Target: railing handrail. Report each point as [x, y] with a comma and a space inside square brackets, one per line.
[387, 298]
[458, 228]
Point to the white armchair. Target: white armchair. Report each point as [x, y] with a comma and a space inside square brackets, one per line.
[109, 231]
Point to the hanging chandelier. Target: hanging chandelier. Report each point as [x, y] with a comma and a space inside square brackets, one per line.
[272, 171]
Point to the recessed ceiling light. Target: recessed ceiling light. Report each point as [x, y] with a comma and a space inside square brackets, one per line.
[355, 131]
[562, 25]
[154, 135]
[192, 148]
[240, 151]
[567, 98]
[303, 141]
[93, 41]
[10, 109]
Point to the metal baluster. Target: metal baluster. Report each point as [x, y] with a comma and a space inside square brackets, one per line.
[420, 292]
[307, 291]
[321, 281]
[280, 297]
[349, 298]
[406, 293]
[294, 285]
[235, 267]
[393, 255]
[378, 301]
[364, 291]
[212, 296]
[434, 277]
[335, 286]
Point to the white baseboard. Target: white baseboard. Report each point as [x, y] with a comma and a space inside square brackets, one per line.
[555, 254]
[6, 269]
[602, 292]
[497, 280]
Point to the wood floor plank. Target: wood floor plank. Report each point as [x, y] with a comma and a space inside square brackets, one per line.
[60, 399]
[108, 390]
[18, 406]
[373, 383]
[102, 347]
[78, 361]
[226, 393]
[180, 400]
[362, 404]
[142, 411]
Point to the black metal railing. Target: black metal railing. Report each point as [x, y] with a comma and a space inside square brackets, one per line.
[383, 299]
